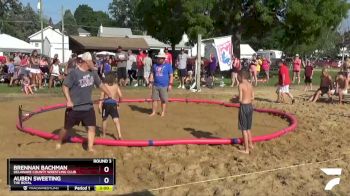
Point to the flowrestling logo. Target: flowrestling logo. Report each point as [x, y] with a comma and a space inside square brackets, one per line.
[332, 172]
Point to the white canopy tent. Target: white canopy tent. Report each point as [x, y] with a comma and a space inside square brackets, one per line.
[12, 44]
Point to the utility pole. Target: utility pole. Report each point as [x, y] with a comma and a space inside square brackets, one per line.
[42, 27]
[62, 35]
[199, 62]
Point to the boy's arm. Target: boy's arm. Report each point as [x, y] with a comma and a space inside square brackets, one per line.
[253, 94]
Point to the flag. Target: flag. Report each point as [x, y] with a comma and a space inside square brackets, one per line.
[223, 48]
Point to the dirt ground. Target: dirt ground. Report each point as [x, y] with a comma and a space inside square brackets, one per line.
[322, 135]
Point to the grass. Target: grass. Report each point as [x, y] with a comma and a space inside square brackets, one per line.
[4, 89]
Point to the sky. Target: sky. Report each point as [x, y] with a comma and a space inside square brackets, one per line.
[52, 8]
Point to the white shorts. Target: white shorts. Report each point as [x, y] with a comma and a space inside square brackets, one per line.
[34, 71]
[283, 89]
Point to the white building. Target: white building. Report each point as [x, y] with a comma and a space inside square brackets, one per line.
[52, 43]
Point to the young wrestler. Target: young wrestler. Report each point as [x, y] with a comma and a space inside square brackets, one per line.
[245, 115]
[325, 87]
[342, 86]
[109, 107]
[309, 72]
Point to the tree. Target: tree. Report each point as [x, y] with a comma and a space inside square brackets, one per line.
[167, 20]
[90, 20]
[245, 19]
[315, 29]
[21, 21]
[70, 25]
[124, 13]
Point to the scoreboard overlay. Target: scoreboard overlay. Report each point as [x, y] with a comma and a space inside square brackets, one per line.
[93, 174]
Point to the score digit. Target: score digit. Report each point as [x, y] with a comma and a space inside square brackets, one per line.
[106, 180]
[106, 169]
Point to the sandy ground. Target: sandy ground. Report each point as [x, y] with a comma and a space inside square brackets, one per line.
[323, 134]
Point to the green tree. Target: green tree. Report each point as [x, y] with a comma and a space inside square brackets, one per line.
[167, 20]
[314, 29]
[245, 19]
[124, 14]
[90, 20]
[21, 21]
[70, 25]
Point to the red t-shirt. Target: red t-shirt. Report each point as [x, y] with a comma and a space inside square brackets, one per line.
[283, 71]
[139, 60]
[308, 71]
[169, 58]
[3, 59]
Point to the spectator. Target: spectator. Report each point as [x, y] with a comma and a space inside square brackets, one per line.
[72, 64]
[182, 63]
[45, 70]
[253, 70]
[236, 67]
[296, 68]
[131, 67]
[211, 69]
[139, 61]
[121, 58]
[266, 67]
[55, 73]
[35, 69]
[10, 70]
[147, 62]
[169, 56]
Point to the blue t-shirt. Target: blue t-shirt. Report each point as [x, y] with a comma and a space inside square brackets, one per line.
[11, 68]
[161, 74]
[107, 68]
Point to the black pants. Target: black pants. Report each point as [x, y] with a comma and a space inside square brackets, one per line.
[132, 75]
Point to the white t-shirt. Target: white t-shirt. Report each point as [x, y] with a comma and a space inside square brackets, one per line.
[131, 61]
[182, 58]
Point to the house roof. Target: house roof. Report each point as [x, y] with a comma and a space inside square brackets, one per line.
[46, 28]
[105, 43]
[114, 32]
[152, 42]
[83, 31]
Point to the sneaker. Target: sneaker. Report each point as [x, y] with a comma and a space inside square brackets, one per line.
[183, 87]
[179, 86]
[136, 85]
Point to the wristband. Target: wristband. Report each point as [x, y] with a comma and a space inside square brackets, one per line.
[170, 84]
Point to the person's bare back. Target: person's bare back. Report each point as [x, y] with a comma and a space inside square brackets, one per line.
[246, 94]
[115, 91]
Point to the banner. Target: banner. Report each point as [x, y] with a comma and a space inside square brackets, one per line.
[224, 52]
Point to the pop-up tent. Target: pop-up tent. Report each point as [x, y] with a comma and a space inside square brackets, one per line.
[12, 44]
